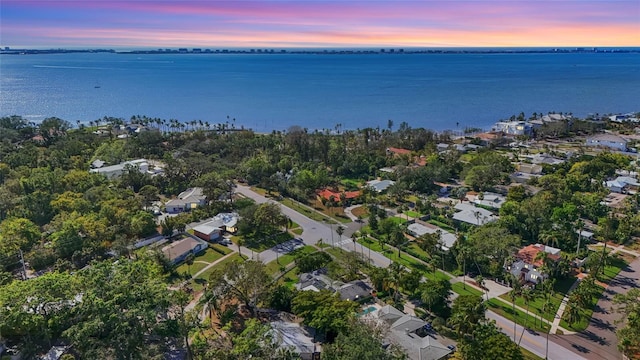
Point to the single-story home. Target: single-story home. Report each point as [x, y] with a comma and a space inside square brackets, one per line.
[213, 229]
[293, 336]
[622, 184]
[404, 332]
[178, 251]
[328, 194]
[115, 171]
[447, 238]
[533, 169]
[490, 199]
[608, 140]
[473, 215]
[186, 200]
[354, 290]
[380, 185]
[397, 151]
[316, 281]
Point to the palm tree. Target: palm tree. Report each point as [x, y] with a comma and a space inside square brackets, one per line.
[527, 296]
[463, 252]
[339, 231]
[513, 294]
[480, 282]
[571, 313]
[396, 271]
[240, 243]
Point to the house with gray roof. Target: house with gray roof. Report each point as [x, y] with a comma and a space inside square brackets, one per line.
[622, 184]
[608, 140]
[178, 251]
[473, 215]
[404, 330]
[380, 185]
[447, 238]
[186, 200]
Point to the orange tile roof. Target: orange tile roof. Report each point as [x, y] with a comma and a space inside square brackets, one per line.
[528, 254]
[327, 194]
[398, 151]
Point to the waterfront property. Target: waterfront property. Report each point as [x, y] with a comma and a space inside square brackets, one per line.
[513, 127]
[186, 200]
[528, 263]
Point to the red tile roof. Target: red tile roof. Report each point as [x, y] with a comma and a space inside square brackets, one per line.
[327, 194]
[529, 253]
[398, 151]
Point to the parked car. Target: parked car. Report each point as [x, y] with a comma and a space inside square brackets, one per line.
[225, 241]
[451, 347]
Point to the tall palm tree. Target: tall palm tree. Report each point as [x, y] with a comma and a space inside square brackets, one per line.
[516, 287]
[396, 270]
[527, 296]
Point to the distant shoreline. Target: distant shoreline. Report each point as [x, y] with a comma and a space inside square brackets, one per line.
[355, 51]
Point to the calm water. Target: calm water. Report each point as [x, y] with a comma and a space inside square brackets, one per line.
[267, 92]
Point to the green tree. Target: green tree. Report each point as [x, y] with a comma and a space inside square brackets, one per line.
[488, 342]
[360, 341]
[467, 311]
[123, 306]
[324, 311]
[628, 335]
[246, 281]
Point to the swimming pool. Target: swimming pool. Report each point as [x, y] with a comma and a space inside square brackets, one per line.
[370, 309]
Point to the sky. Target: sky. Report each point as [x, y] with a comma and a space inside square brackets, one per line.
[313, 24]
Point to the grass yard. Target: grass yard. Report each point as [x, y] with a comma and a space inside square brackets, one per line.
[221, 248]
[535, 305]
[351, 184]
[441, 225]
[297, 231]
[505, 310]
[198, 283]
[413, 214]
[264, 243]
[273, 267]
[290, 279]
[585, 317]
[459, 289]
[360, 211]
[405, 259]
[528, 355]
[611, 270]
[197, 266]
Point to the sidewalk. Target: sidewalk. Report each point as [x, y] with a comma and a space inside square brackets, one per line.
[556, 320]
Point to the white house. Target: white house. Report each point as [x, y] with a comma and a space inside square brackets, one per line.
[473, 215]
[186, 200]
[115, 171]
[490, 199]
[213, 229]
[622, 184]
[513, 127]
[447, 238]
[608, 140]
[527, 265]
[380, 185]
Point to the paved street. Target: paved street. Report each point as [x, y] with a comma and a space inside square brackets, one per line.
[313, 231]
[599, 341]
[534, 341]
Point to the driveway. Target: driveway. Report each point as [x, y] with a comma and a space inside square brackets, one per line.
[599, 341]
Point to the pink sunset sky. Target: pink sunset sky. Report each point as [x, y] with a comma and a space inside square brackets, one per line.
[287, 24]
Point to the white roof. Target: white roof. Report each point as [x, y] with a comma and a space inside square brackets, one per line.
[448, 239]
[408, 323]
[432, 349]
[473, 215]
[119, 167]
[380, 185]
[608, 138]
[490, 199]
[206, 228]
[292, 335]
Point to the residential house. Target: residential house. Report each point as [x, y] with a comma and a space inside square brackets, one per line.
[608, 140]
[406, 331]
[527, 265]
[447, 239]
[115, 171]
[397, 151]
[316, 281]
[533, 169]
[513, 127]
[545, 159]
[212, 230]
[178, 251]
[294, 337]
[354, 290]
[490, 199]
[337, 196]
[186, 200]
[622, 184]
[380, 185]
[473, 215]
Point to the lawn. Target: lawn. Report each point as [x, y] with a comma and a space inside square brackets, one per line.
[210, 255]
[264, 243]
[612, 269]
[351, 183]
[360, 211]
[184, 268]
[413, 214]
[273, 267]
[398, 220]
[221, 248]
[585, 317]
[505, 310]
[441, 225]
[198, 283]
[459, 288]
[290, 279]
[297, 231]
[199, 262]
[405, 259]
[535, 305]
[528, 355]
